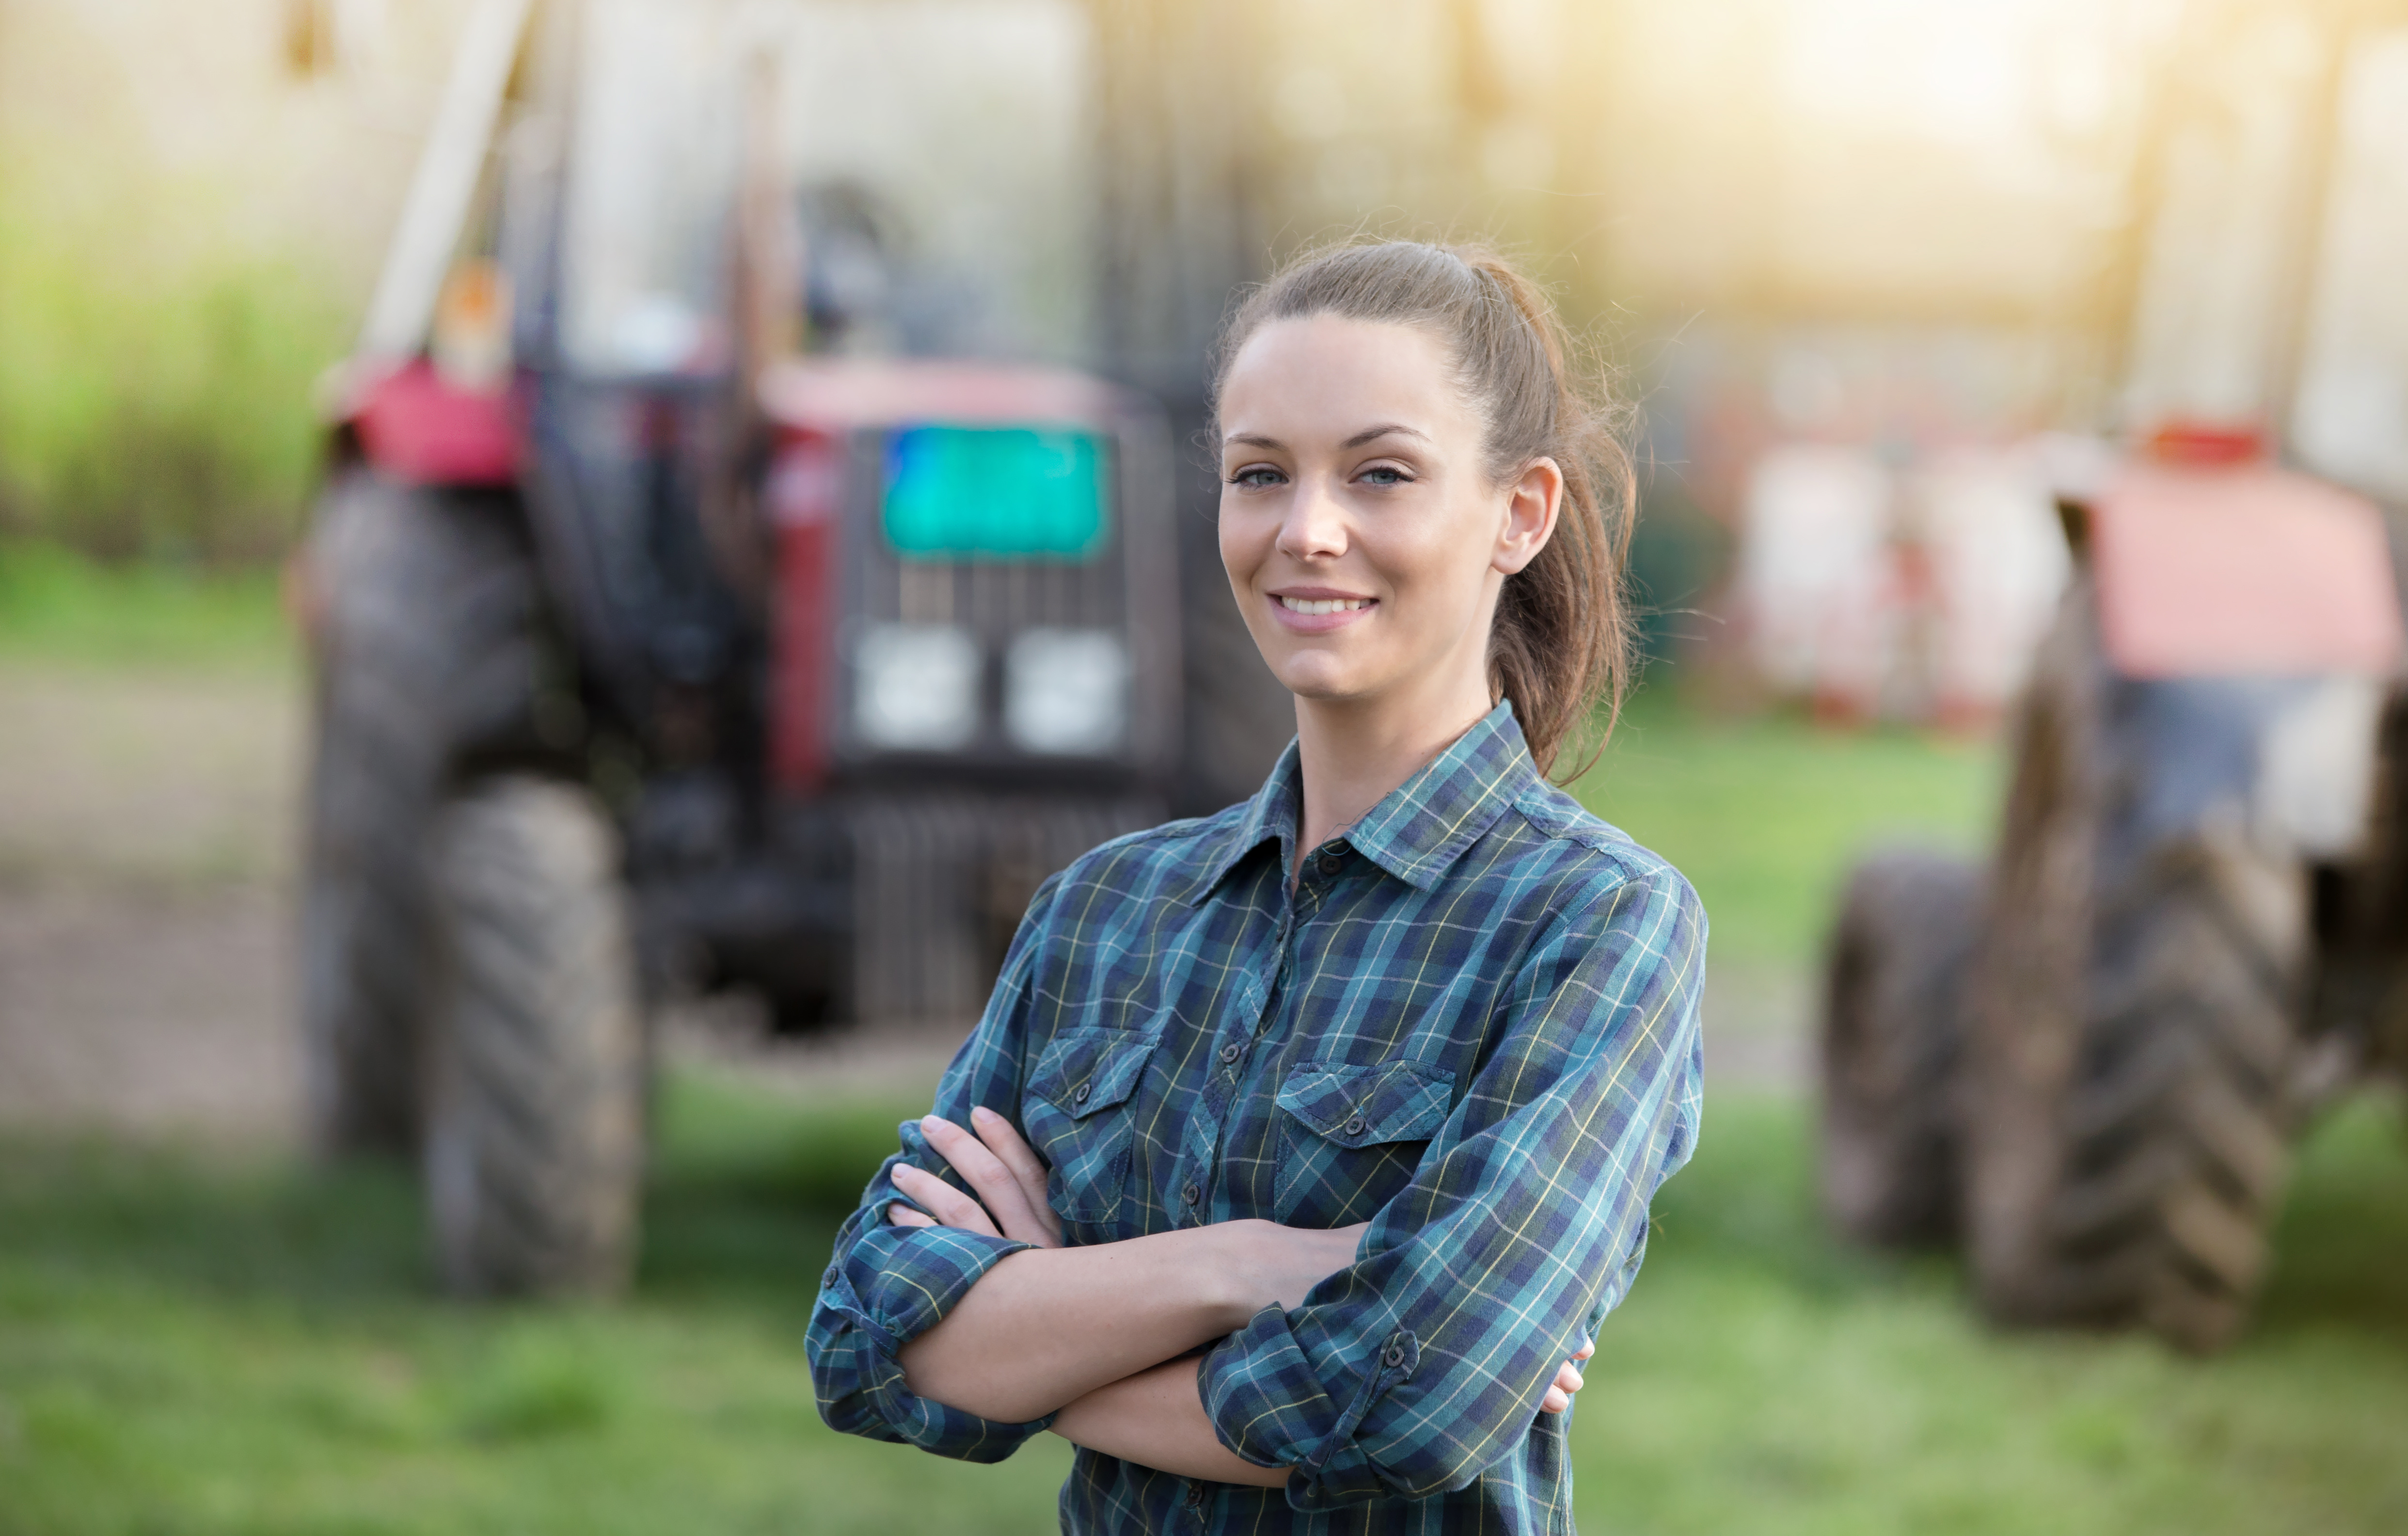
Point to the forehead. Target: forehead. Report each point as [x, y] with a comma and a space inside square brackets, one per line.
[1326, 375]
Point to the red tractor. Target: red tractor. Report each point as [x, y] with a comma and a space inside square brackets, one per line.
[2088, 1059]
[656, 650]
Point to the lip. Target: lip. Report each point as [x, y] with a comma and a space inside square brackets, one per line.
[1318, 623]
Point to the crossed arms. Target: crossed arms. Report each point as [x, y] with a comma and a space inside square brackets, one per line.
[1431, 1338]
[1102, 1336]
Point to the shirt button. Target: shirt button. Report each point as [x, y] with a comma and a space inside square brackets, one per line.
[1191, 1193]
[1080, 1097]
[1232, 1051]
[1356, 1126]
[1394, 1358]
[1194, 1496]
[1329, 863]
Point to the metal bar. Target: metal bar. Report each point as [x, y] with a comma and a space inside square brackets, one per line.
[445, 181]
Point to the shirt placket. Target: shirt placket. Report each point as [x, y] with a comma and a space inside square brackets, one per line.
[1202, 1194]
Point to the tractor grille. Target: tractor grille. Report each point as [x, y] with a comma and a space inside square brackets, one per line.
[992, 599]
[941, 881]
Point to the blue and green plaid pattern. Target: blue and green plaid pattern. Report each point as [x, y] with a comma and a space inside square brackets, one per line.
[1472, 1021]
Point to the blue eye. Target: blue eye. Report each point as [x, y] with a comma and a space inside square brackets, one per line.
[1383, 475]
[1257, 477]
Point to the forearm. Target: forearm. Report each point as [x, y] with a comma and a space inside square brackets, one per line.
[1156, 1418]
[1047, 1326]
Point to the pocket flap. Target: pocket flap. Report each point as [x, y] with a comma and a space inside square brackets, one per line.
[1356, 1106]
[1083, 1070]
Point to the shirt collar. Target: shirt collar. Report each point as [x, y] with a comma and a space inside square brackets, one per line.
[1419, 828]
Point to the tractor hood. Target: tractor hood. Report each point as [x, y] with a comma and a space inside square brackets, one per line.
[2239, 571]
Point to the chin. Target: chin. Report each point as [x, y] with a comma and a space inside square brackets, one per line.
[1315, 678]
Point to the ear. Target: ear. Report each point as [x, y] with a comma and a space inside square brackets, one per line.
[1532, 505]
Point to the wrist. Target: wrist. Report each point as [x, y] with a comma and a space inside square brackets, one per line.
[1235, 1274]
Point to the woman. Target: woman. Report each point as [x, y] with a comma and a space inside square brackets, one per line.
[1303, 1147]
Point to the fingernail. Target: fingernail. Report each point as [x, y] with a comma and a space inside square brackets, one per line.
[934, 1122]
[982, 1113]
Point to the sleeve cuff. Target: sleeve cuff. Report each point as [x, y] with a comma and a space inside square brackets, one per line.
[894, 1284]
[1270, 1406]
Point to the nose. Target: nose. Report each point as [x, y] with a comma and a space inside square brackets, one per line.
[1315, 525]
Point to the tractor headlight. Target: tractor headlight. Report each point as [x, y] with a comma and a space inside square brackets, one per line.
[1065, 692]
[915, 688]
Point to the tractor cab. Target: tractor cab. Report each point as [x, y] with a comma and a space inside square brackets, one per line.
[726, 577]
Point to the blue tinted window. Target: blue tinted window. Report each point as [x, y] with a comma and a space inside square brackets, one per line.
[976, 494]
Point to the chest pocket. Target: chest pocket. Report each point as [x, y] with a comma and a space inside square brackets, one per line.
[1079, 1118]
[1350, 1136]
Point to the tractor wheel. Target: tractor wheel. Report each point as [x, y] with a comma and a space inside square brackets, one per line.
[1891, 1033]
[536, 1066]
[425, 648]
[2178, 1125]
[2131, 1038]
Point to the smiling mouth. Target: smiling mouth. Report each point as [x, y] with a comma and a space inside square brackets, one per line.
[1325, 605]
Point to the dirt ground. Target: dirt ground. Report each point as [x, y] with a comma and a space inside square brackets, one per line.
[147, 832]
[145, 848]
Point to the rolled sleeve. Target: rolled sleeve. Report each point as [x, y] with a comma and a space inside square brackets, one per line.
[1423, 1363]
[885, 1285]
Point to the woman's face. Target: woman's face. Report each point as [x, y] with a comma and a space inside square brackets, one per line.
[1364, 540]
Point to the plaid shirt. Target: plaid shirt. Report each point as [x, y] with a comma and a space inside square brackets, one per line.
[1472, 1022]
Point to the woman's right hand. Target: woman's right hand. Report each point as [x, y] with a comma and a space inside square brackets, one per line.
[1007, 1182]
[1007, 1198]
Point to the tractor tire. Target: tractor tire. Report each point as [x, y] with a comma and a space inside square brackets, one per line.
[1891, 1039]
[536, 1066]
[2179, 1123]
[425, 648]
[2132, 1033]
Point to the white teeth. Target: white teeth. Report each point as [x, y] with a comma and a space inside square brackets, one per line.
[1323, 605]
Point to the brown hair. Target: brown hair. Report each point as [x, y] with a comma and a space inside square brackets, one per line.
[1561, 639]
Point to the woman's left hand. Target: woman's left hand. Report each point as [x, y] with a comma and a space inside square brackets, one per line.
[1006, 1178]
[1568, 1380]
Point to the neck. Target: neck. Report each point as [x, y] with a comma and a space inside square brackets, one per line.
[1350, 753]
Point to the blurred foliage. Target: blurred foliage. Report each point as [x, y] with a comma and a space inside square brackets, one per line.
[154, 391]
[1764, 814]
[215, 1346]
[59, 606]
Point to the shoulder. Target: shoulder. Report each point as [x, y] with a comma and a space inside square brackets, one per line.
[1591, 864]
[1161, 863]
[1175, 846]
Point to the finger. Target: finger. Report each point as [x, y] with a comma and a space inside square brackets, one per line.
[985, 1173]
[949, 1205]
[1569, 1379]
[1585, 1350]
[903, 1216]
[1027, 1169]
[1554, 1402]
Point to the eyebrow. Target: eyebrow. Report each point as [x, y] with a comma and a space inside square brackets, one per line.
[1368, 435]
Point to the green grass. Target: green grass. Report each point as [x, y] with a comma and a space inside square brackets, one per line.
[57, 606]
[1764, 1379]
[1764, 814]
[194, 1348]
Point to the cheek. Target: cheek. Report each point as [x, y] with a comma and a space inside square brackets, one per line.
[1245, 536]
[1434, 564]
